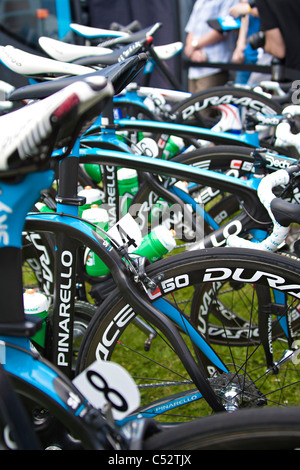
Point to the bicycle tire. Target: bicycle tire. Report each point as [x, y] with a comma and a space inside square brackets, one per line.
[103, 336]
[188, 111]
[268, 429]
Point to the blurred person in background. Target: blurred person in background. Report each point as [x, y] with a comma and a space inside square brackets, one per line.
[244, 52]
[205, 44]
[280, 23]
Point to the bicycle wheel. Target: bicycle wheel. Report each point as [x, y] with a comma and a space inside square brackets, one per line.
[83, 313]
[254, 374]
[56, 427]
[225, 109]
[268, 429]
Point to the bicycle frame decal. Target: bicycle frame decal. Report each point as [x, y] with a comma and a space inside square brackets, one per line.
[240, 275]
[112, 199]
[278, 161]
[227, 99]
[42, 267]
[167, 406]
[65, 295]
[5, 210]
[12, 210]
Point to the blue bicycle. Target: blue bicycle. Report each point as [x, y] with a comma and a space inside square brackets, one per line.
[179, 281]
[60, 414]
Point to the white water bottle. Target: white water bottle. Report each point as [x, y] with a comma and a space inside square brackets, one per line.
[92, 195]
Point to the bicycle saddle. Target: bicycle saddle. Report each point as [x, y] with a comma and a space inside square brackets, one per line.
[32, 65]
[30, 134]
[167, 51]
[65, 52]
[90, 32]
[120, 75]
[117, 55]
[91, 55]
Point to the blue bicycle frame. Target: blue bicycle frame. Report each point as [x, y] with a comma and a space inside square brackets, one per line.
[74, 225]
[140, 125]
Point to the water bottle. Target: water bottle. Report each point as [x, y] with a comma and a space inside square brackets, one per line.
[173, 146]
[99, 217]
[153, 246]
[37, 303]
[161, 207]
[92, 195]
[128, 185]
[157, 243]
[42, 207]
[94, 171]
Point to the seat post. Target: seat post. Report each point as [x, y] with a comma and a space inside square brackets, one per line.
[67, 198]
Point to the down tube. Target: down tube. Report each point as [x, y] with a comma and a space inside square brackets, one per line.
[80, 231]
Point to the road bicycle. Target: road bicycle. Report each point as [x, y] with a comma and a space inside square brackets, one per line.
[154, 103]
[204, 175]
[218, 276]
[171, 128]
[81, 427]
[106, 138]
[124, 125]
[46, 394]
[129, 290]
[61, 414]
[94, 142]
[271, 89]
[158, 55]
[180, 277]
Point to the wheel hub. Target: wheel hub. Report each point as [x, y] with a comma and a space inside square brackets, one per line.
[237, 391]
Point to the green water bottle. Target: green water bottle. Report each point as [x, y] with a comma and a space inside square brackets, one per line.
[42, 207]
[128, 185]
[157, 243]
[99, 217]
[173, 146]
[36, 303]
[92, 195]
[94, 171]
[153, 246]
[161, 207]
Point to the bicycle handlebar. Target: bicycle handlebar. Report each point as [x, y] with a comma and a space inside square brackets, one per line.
[282, 213]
